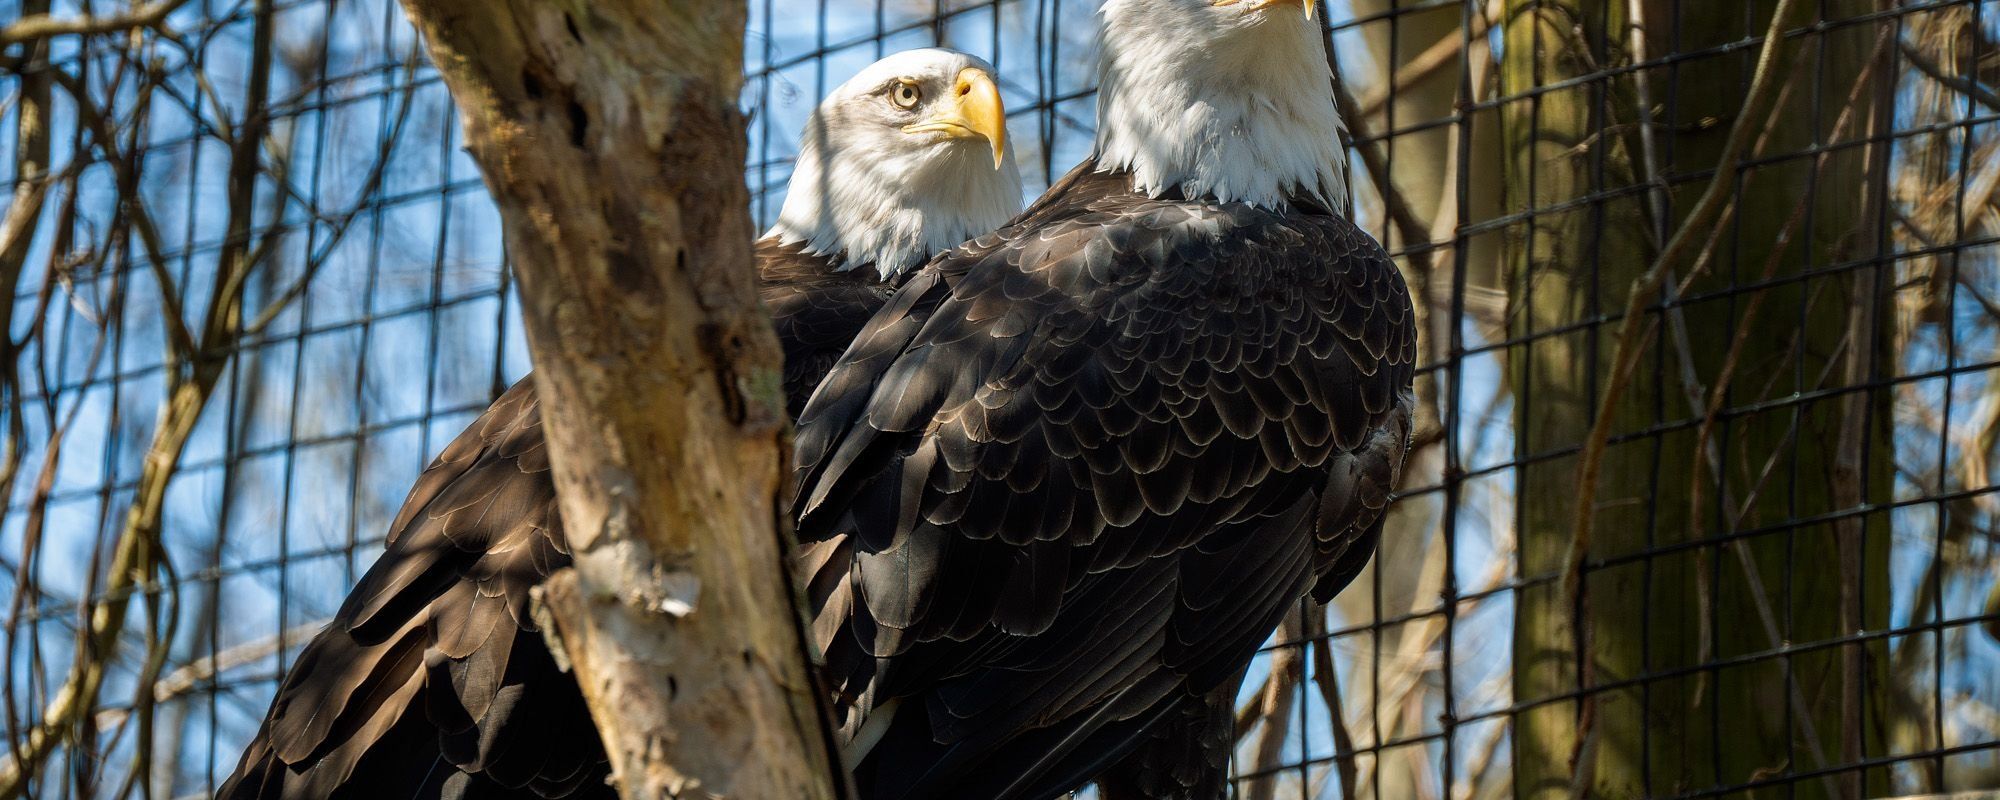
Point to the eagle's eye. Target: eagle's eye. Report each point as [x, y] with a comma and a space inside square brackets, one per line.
[905, 94]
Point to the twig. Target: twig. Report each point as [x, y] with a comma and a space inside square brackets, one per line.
[1274, 704]
[180, 340]
[193, 674]
[1625, 358]
[26, 579]
[42, 26]
[136, 556]
[33, 748]
[1965, 86]
[17, 234]
[31, 168]
[1427, 63]
[341, 222]
[1328, 680]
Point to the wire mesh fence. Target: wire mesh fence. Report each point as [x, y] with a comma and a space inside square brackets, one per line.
[1701, 502]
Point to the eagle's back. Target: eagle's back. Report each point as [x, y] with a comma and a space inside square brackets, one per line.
[1080, 467]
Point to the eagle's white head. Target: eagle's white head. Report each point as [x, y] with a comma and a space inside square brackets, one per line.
[1227, 99]
[906, 159]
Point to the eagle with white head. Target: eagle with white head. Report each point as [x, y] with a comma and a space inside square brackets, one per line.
[1076, 470]
[903, 161]
[432, 681]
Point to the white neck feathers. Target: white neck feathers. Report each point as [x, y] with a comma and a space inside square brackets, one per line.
[1242, 115]
[864, 201]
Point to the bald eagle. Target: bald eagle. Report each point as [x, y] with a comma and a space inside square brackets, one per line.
[432, 681]
[1070, 477]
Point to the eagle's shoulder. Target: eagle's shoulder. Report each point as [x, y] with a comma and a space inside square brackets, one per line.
[817, 304]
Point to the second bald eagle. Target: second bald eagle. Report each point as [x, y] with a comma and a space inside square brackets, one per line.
[432, 681]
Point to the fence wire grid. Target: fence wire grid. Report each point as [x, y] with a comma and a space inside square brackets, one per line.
[1746, 318]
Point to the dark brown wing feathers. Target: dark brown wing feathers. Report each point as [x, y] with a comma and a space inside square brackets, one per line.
[1082, 466]
[1056, 493]
[433, 680]
[816, 310]
[1184, 757]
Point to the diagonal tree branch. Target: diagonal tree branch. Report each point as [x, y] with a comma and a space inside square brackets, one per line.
[35, 27]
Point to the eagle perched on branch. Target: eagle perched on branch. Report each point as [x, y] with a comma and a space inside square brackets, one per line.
[1076, 470]
[433, 681]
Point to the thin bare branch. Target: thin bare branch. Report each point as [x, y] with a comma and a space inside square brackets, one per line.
[1434, 58]
[196, 674]
[341, 222]
[35, 27]
[1327, 679]
[104, 137]
[138, 560]
[1274, 707]
[1963, 85]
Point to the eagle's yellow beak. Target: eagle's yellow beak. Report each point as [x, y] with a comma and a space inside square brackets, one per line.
[972, 109]
[1308, 5]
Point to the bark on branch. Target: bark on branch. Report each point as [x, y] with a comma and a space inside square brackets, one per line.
[609, 135]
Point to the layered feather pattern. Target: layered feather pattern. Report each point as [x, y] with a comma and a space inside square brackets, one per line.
[433, 680]
[1076, 470]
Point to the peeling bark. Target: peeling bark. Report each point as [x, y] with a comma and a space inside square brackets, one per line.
[609, 136]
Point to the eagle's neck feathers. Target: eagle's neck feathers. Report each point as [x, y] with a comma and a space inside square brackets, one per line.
[1248, 116]
[889, 210]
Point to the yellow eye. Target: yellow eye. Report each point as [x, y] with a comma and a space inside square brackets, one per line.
[905, 95]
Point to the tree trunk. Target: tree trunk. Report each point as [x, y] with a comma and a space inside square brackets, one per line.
[609, 136]
[1647, 621]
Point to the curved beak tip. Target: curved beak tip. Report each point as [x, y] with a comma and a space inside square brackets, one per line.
[973, 109]
[980, 104]
[976, 106]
